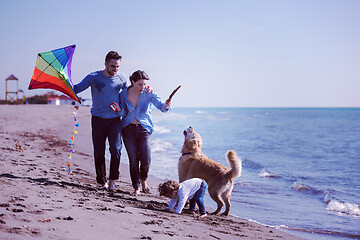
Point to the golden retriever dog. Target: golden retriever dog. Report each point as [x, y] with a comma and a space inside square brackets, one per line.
[193, 163]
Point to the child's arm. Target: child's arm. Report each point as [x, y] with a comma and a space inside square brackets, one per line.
[172, 203]
[181, 204]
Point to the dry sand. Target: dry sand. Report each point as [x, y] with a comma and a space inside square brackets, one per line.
[39, 200]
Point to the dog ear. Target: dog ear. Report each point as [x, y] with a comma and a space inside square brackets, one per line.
[185, 133]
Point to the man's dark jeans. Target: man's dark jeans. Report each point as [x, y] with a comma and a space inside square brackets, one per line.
[110, 129]
[137, 144]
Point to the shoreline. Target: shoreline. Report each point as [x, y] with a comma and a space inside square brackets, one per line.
[40, 200]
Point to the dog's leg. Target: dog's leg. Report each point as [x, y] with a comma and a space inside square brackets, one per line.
[226, 197]
[218, 201]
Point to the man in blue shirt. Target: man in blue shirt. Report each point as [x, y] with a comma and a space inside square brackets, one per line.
[105, 122]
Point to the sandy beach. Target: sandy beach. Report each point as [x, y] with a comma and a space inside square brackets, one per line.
[40, 200]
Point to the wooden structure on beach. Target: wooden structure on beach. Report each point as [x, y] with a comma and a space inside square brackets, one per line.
[12, 96]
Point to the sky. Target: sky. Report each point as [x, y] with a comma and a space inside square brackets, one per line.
[225, 53]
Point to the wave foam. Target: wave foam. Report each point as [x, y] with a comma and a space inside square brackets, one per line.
[200, 112]
[344, 208]
[161, 130]
[300, 187]
[159, 145]
[266, 174]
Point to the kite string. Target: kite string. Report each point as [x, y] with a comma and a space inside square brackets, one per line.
[72, 140]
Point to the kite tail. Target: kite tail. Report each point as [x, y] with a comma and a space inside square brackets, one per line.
[72, 140]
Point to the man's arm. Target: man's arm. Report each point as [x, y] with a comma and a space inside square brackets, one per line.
[84, 84]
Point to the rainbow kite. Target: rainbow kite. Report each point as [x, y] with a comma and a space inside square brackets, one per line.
[53, 71]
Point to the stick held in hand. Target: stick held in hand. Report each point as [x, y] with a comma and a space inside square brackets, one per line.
[173, 93]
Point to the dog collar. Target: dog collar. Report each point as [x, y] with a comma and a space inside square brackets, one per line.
[188, 153]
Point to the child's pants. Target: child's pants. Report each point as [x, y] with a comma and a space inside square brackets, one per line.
[199, 199]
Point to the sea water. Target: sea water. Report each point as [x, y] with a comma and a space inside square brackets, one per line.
[301, 166]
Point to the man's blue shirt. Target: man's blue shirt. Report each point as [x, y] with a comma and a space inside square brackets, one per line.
[104, 91]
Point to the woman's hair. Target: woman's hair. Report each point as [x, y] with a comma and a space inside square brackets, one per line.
[112, 55]
[168, 187]
[136, 76]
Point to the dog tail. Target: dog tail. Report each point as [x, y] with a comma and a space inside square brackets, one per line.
[235, 163]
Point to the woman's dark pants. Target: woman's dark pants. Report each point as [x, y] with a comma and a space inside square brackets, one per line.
[137, 143]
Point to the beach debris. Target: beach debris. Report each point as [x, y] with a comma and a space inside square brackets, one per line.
[53, 71]
[19, 147]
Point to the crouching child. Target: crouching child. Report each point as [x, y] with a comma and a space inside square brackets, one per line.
[192, 189]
